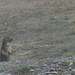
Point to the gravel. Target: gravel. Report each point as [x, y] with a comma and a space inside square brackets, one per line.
[47, 66]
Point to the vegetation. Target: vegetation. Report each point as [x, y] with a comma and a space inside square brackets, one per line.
[27, 67]
[68, 54]
[69, 61]
[41, 28]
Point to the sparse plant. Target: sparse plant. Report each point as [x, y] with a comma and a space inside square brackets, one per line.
[27, 67]
[68, 54]
[69, 61]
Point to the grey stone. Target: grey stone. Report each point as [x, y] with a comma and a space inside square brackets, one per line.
[47, 73]
[8, 74]
[73, 70]
[32, 70]
[54, 72]
[52, 69]
[69, 68]
[38, 69]
[38, 74]
[64, 64]
[45, 65]
[70, 64]
[44, 71]
[2, 74]
[55, 61]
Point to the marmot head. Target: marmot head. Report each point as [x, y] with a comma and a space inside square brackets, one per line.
[7, 39]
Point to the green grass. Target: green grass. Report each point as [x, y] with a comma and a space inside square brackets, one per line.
[27, 67]
[69, 61]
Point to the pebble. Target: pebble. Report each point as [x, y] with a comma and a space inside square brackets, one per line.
[4, 74]
[47, 66]
[8, 74]
[32, 70]
[52, 69]
[47, 73]
[55, 61]
[54, 72]
[73, 70]
[70, 64]
[69, 68]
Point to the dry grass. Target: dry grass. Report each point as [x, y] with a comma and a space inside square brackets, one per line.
[21, 5]
[41, 28]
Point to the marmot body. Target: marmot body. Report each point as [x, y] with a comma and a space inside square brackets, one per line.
[6, 49]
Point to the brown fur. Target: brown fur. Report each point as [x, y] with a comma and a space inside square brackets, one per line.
[6, 49]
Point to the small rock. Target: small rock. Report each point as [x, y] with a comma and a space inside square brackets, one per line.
[64, 64]
[52, 69]
[44, 72]
[73, 70]
[38, 69]
[8, 74]
[2, 74]
[38, 74]
[60, 70]
[70, 64]
[45, 65]
[54, 72]
[47, 73]
[32, 70]
[55, 61]
[72, 73]
[69, 68]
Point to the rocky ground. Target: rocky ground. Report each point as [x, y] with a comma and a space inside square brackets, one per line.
[47, 66]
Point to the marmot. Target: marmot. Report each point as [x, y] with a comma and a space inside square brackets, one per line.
[6, 49]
